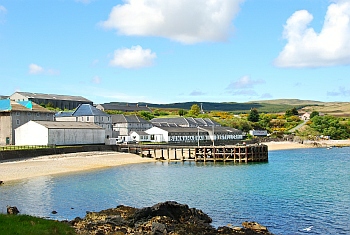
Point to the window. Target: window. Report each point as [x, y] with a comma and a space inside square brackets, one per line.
[28, 113]
[18, 122]
[101, 119]
[17, 113]
[87, 118]
[38, 114]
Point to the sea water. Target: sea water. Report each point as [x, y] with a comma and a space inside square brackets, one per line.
[303, 191]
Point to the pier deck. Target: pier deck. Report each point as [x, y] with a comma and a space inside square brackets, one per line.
[234, 153]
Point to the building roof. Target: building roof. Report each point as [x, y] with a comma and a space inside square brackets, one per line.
[121, 118]
[29, 106]
[68, 125]
[88, 110]
[184, 121]
[141, 132]
[82, 110]
[53, 96]
[182, 129]
[125, 108]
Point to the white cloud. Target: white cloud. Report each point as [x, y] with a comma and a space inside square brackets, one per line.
[306, 48]
[3, 12]
[3, 9]
[197, 93]
[342, 91]
[136, 57]
[96, 80]
[36, 69]
[244, 82]
[186, 21]
[84, 1]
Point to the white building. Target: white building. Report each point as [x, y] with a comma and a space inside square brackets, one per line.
[193, 134]
[123, 125]
[59, 133]
[140, 136]
[258, 132]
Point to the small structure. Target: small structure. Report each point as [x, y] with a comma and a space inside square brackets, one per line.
[140, 136]
[58, 101]
[305, 116]
[258, 132]
[59, 133]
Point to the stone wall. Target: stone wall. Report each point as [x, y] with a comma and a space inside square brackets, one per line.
[30, 153]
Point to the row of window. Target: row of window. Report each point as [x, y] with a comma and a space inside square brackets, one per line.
[36, 114]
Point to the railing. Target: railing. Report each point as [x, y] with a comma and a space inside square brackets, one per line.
[19, 147]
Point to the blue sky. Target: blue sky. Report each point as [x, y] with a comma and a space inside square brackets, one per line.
[165, 51]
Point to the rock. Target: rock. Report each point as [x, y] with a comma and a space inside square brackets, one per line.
[254, 226]
[12, 210]
[54, 212]
[1, 182]
[163, 218]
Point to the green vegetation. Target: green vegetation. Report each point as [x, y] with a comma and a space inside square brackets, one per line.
[29, 225]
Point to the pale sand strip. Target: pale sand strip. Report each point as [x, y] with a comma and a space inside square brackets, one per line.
[283, 145]
[65, 163]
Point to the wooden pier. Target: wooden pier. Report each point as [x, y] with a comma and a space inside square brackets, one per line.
[234, 153]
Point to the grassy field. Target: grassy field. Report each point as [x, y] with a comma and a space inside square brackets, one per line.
[29, 225]
[338, 109]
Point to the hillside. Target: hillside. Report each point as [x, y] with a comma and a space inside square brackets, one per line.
[263, 106]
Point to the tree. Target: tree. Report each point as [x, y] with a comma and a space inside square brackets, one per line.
[195, 110]
[314, 113]
[291, 112]
[182, 112]
[253, 115]
[146, 115]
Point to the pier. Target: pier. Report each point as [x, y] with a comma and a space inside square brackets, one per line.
[232, 153]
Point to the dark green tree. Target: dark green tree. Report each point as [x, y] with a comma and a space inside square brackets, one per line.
[253, 115]
[314, 113]
[182, 112]
[194, 111]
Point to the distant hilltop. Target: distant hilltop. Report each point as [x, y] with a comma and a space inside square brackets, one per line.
[264, 106]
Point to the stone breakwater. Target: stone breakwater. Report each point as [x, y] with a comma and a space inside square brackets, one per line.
[168, 217]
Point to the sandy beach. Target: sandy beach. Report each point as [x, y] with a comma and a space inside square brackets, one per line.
[75, 162]
[65, 163]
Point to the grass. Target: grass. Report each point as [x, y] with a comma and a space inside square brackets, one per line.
[29, 225]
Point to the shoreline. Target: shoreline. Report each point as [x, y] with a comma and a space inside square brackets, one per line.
[65, 164]
[86, 161]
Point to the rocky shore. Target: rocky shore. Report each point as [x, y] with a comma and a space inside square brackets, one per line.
[163, 218]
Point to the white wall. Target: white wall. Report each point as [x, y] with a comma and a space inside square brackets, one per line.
[158, 134]
[31, 133]
[76, 136]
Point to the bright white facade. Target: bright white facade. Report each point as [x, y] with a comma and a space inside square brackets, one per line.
[59, 133]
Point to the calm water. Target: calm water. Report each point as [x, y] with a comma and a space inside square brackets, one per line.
[295, 190]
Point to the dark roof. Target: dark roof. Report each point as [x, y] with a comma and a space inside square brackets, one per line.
[218, 129]
[68, 125]
[82, 110]
[88, 110]
[140, 132]
[29, 106]
[184, 121]
[121, 118]
[222, 129]
[54, 96]
[182, 129]
[125, 108]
